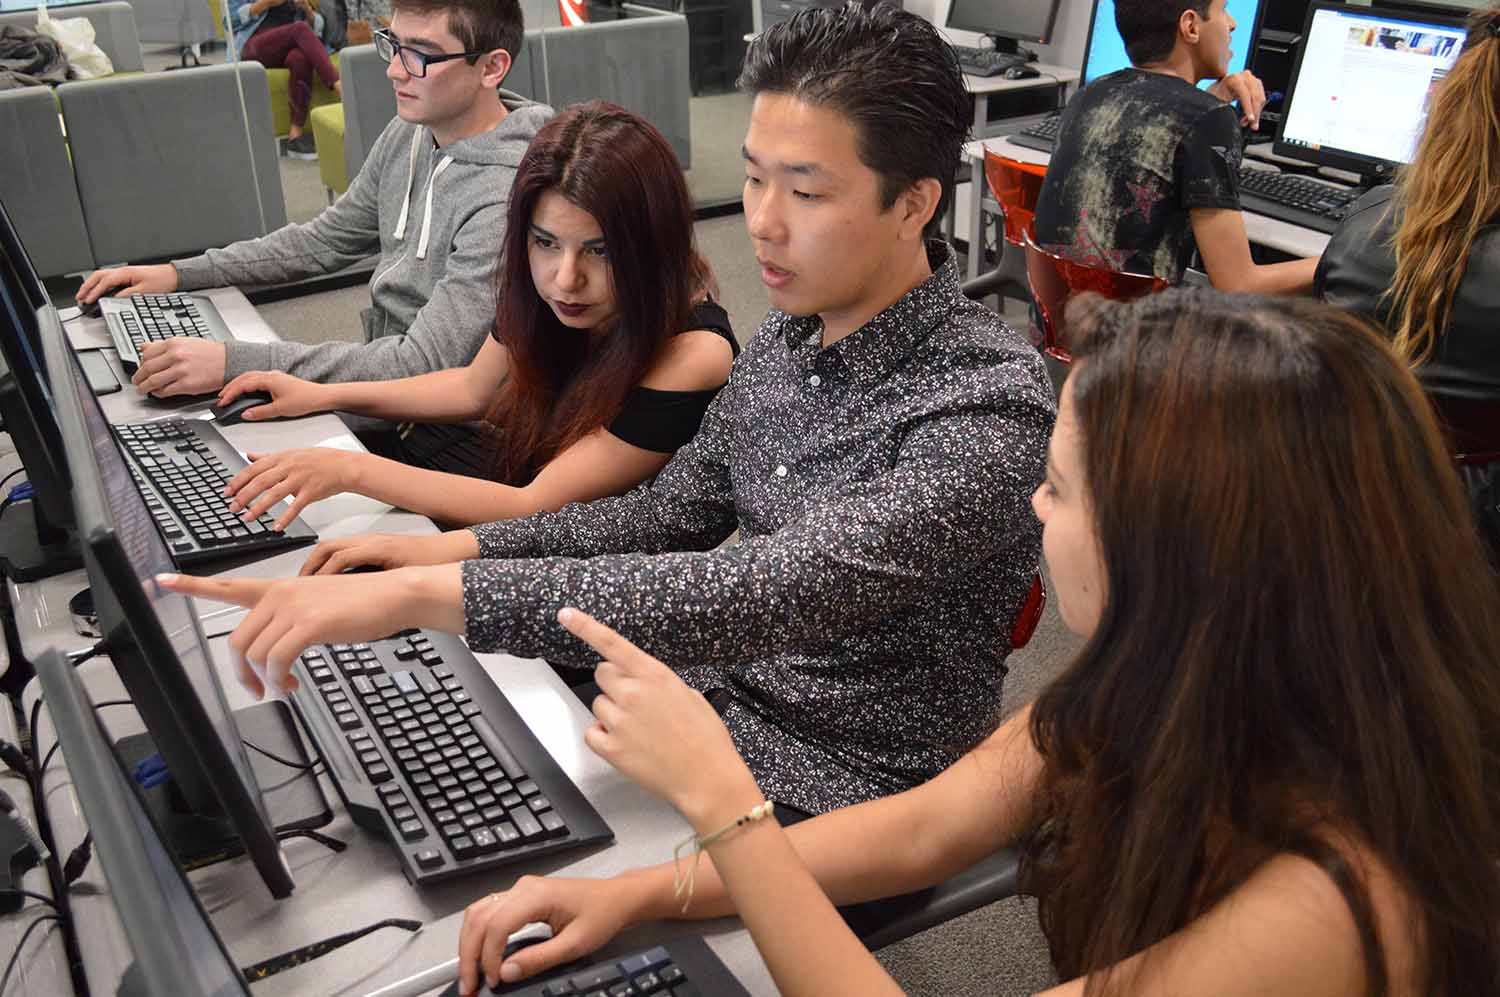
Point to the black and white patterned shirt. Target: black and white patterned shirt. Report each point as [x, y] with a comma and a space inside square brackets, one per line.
[860, 623]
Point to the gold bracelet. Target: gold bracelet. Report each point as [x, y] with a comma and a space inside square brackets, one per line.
[684, 884]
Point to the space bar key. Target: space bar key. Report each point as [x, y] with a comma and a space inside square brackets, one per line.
[508, 763]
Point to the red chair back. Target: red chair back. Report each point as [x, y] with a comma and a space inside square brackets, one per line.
[1055, 280]
[1029, 616]
[1473, 428]
[1017, 186]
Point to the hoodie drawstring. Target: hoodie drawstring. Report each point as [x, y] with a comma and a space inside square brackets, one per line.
[427, 217]
[411, 174]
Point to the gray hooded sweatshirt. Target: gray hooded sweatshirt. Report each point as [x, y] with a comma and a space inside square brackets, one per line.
[437, 217]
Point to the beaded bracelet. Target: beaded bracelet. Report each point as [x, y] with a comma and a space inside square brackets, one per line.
[684, 884]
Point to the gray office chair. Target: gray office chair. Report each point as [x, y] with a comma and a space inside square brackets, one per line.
[883, 922]
[36, 183]
[640, 63]
[369, 103]
[167, 167]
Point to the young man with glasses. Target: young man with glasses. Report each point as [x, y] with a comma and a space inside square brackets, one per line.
[430, 200]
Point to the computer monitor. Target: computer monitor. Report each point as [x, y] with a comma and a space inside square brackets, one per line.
[1006, 21]
[1360, 87]
[1104, 53]
[211, 806]
[175, 947]
[34, 537]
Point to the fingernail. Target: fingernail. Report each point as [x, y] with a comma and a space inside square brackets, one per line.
[510, 972]
[565, 615]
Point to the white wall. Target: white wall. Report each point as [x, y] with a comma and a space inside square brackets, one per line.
[1070, 32]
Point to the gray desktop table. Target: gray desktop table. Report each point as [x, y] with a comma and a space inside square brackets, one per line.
[1263, 231]
[982, 88]
[341, 892]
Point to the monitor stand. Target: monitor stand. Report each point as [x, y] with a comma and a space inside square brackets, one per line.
[1009, 46]
[293, 798]
[32, 549]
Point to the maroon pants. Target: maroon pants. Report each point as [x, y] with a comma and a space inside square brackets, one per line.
[295, 48]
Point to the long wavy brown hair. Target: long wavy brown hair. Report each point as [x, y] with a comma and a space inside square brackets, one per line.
[565, 383]
[1448, 193]
[1299, 643]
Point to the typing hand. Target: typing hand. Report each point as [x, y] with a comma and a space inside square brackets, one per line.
[290, 396]
[182, 365]
[288, 615]
[583, 915]
[386, 551]
[306, 474]
[657, 731]
[1246, 88]
[159, 279]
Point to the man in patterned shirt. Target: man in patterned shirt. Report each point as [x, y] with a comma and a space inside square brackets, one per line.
[1146, 165]
[875, 447]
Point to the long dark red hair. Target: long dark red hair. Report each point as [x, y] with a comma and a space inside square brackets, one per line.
[565, 383]
[1298, 646]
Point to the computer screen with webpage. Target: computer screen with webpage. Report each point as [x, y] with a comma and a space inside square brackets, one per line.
[1106, 49]
[1359, 94]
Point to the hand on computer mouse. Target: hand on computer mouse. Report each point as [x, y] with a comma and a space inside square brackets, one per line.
[158, 279]
[583, 914]
[290, 396]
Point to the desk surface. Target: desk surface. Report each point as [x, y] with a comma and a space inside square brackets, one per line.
[342, 892]
[1277, 234]
[1049, 76]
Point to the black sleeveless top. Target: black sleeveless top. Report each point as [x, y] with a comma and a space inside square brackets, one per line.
[661, 421]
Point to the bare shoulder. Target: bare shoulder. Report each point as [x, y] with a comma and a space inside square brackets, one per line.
[696, 360]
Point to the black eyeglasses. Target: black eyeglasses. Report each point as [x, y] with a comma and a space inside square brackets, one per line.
[414, 61]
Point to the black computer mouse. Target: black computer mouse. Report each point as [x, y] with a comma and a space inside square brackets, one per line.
[1021, 73]
[234, 412]
[90, 310]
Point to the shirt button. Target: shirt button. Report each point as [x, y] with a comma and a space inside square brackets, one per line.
[815, 380]
[781, 471]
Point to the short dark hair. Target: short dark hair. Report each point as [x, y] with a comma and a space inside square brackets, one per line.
[1149, 27]
[886, 70]
[479, 25]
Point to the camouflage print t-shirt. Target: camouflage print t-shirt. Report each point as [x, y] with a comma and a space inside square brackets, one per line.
[1137, 151]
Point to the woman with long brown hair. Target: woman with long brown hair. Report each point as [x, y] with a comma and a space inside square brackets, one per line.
[606, 351]
[1422, 256]
[1272, 767]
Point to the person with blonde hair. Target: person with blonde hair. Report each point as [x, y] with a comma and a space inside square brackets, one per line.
[1421, 256]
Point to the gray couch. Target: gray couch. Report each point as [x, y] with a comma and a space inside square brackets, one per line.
[114, 30]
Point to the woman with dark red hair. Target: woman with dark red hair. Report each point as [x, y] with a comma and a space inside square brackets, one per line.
[606, 351]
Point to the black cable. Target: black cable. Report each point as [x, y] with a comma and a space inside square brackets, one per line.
[10, 967]
[304, 766]
[76, 658]
[19, 470]
[33, 895]
[307, 953]
[58, 744]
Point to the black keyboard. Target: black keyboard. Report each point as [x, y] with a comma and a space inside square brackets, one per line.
[181, 467]
[683, 967]
[986, 61]
[426, 750]
[150, 318]
[1041, 136]
[1296, 199]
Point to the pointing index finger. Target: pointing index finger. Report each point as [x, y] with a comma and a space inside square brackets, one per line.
[601, 638]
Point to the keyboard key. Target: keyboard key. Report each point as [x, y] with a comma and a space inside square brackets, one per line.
[527, 824]
[428, 858]
[412, 830]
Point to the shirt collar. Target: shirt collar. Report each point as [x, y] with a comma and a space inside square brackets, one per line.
[882, 344]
